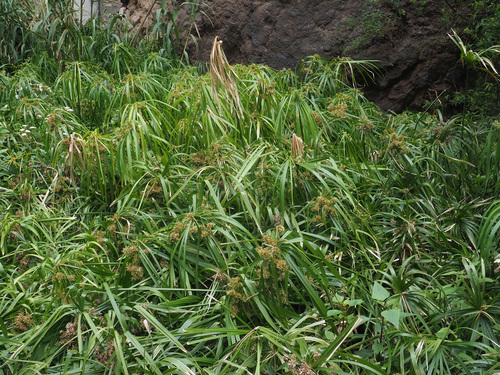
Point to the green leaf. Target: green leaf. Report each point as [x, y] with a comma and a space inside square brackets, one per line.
[379, 293]
[354, 302]
[443, 333]
[333, 312]
[377, 347]
[392, 316]
[330, 336]
[339, 339]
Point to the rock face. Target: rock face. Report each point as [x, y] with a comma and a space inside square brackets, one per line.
[141, 13]
[408, 37]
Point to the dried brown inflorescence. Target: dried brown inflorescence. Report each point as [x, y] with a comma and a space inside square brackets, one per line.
[22, 321]
[69, 335]
[223, 76]
[297, 145]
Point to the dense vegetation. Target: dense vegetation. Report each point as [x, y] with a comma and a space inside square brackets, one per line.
[156, 219]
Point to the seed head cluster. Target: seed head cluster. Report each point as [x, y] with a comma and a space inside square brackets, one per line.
[69, 335]
[133, 266]
[238, 297]
[324, 207]
[298, 368]
[22, 321]
[190, 223]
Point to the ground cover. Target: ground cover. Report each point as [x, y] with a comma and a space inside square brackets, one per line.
[157, 219]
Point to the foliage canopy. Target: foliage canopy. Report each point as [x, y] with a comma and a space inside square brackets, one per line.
[151, 225]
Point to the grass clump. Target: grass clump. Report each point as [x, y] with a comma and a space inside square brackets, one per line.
[152, 225]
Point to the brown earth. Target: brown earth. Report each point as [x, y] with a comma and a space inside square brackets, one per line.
[408, 38]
